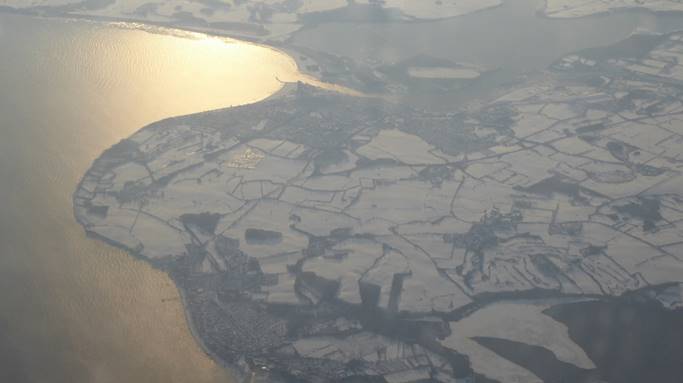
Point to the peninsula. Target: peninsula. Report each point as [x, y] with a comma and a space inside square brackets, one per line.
[318, 237]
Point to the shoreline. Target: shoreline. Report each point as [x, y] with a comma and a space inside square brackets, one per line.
[168, 29]
[233, 370]
[284, 45]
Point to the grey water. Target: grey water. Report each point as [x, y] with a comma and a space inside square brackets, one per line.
[512, 40]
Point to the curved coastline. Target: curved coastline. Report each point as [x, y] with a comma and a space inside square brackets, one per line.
[238, 374]
[236, 371]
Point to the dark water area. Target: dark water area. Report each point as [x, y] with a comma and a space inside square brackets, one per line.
[538, 360]
[630, 341]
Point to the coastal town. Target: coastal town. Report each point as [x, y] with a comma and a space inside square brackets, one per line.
[317, 236]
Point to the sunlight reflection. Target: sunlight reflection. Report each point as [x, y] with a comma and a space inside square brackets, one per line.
[209, 70]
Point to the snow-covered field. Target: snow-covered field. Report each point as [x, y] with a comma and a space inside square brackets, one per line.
[580, 8]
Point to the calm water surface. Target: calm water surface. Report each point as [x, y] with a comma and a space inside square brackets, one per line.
[73, 309]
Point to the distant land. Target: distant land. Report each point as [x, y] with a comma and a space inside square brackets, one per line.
[276, 20]
[262, 20]
[580, 8]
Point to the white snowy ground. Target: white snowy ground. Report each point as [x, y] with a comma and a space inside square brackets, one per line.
[580, 8]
